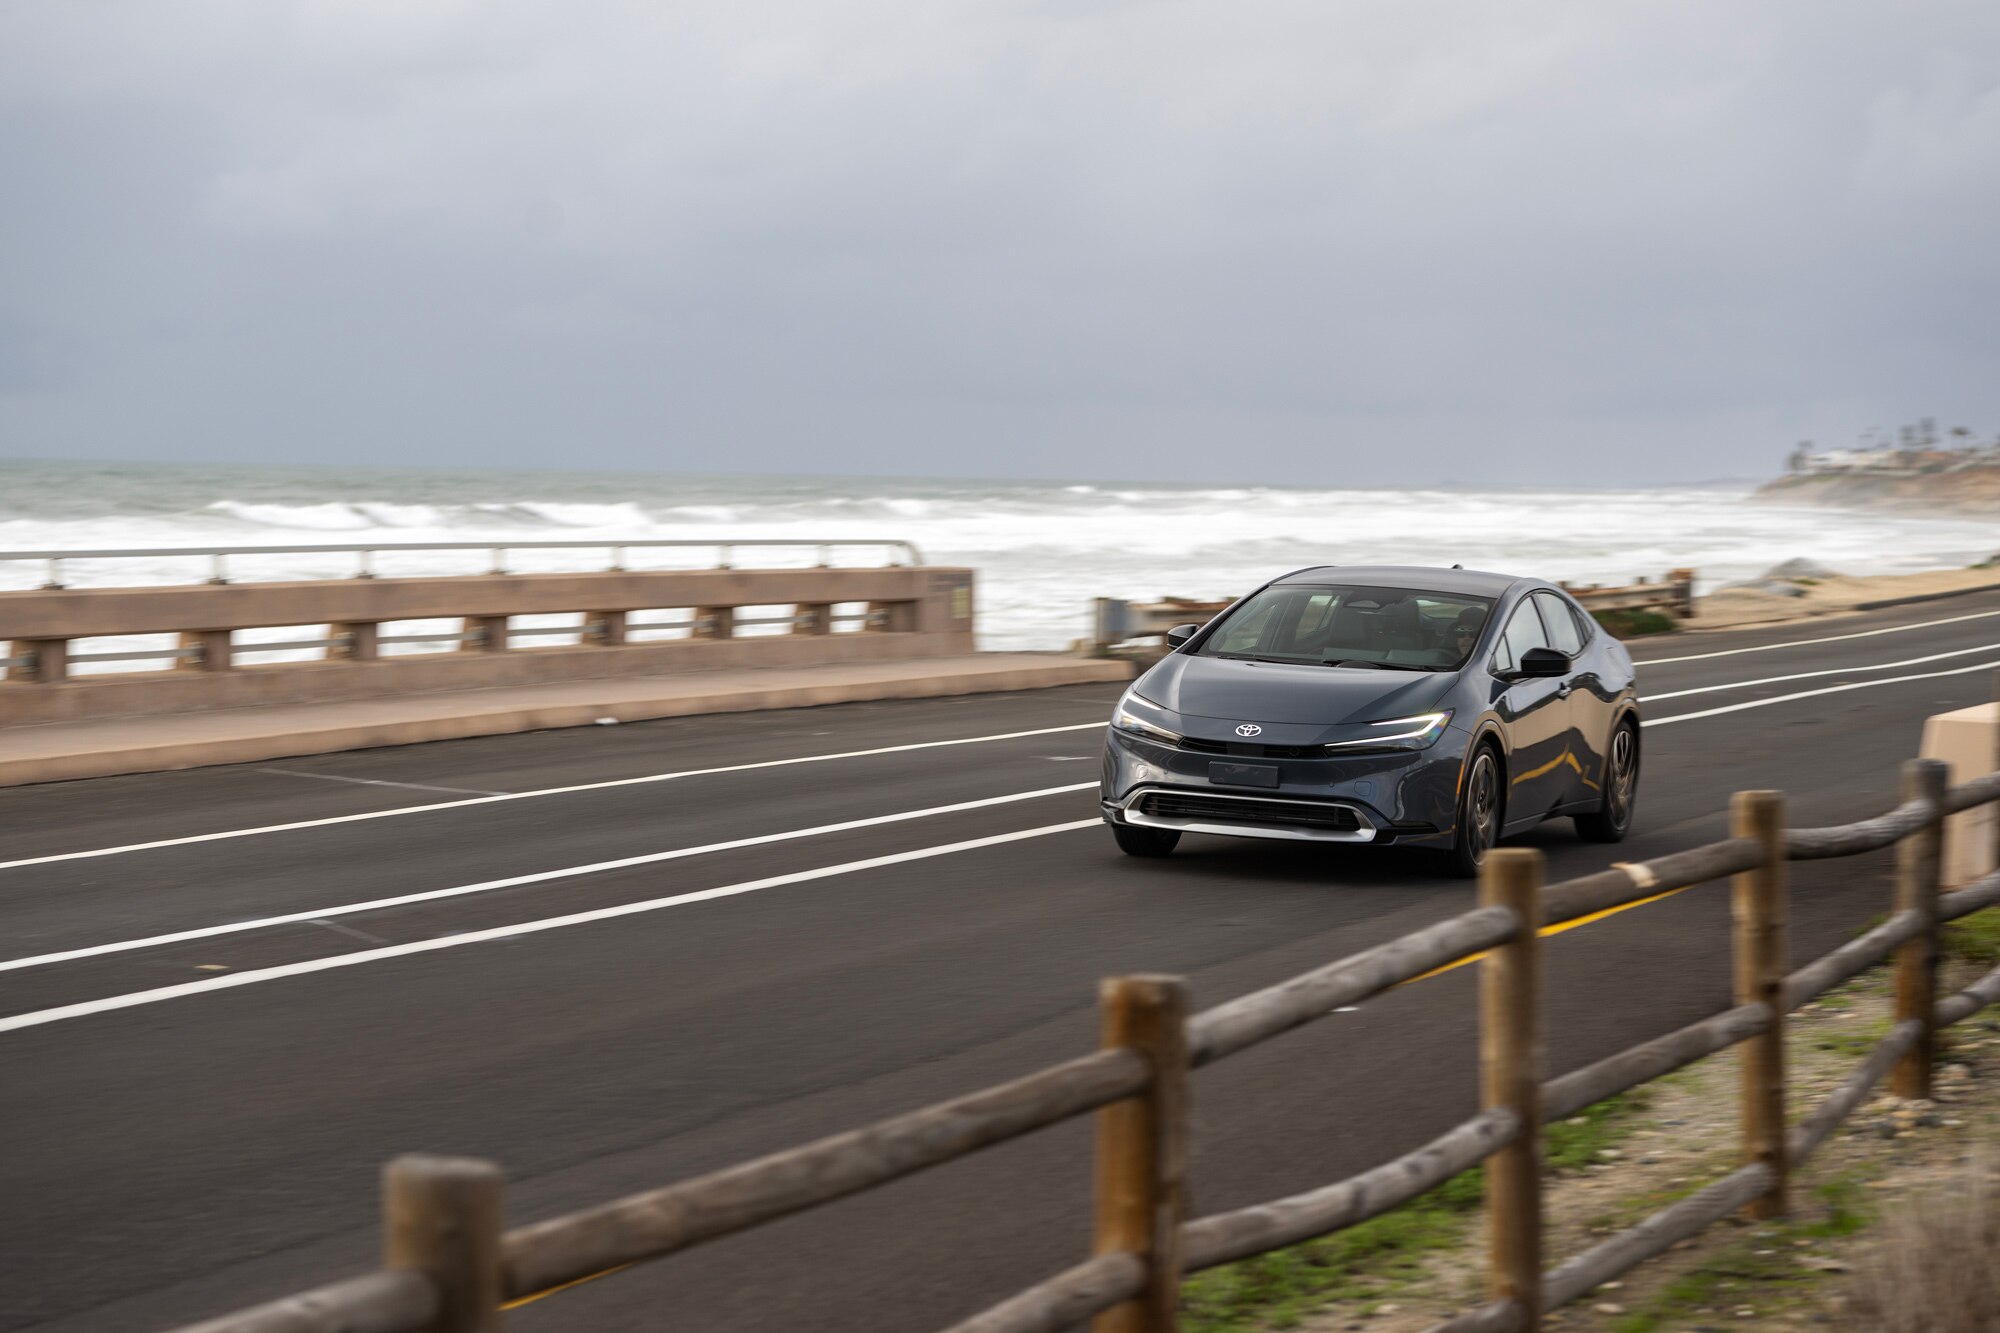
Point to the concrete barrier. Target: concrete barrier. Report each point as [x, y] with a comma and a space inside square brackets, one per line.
[910, 613]
[1968, 741]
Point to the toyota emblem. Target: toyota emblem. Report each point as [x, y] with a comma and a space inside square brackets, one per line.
[1249, 729]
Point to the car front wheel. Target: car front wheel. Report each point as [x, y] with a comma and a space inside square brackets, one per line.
[1481, 803]
[1145, 841]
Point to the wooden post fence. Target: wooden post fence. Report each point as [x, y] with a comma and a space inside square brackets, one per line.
[1510, 1043]
[1142, 1150]
[1759, 910]
[442, 1216]
[448, 1266]
[1917, 858]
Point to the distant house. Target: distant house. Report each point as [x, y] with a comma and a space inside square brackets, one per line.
[1849, 460]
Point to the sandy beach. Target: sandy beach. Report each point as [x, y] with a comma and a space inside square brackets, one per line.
[1732, 607]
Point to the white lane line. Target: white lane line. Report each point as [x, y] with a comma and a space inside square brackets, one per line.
[530, 795]
[1830, 671]
[323, 915]
[184, 989]
[1809, 694]
[1831, 638]
[381, 782]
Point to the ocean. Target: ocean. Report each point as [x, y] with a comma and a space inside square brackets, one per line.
[1042, 550]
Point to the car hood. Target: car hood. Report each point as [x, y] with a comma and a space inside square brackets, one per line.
[1231, 690]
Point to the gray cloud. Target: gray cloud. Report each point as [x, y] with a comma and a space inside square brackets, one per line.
[1262, 241]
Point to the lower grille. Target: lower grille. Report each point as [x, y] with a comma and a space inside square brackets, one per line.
[1200, 746]
[1231, 810]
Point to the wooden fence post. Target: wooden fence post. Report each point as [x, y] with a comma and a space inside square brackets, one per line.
[1758, 904]
[443, 1215]
[1917, 858]
[1142, 1150]
[1510, 1049]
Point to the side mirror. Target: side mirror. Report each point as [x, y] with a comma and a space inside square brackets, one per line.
[1180, 634]
[1543, 662]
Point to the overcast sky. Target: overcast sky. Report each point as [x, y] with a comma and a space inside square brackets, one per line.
[1396, 241]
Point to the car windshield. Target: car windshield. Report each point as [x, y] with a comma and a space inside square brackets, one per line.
[1336, 625]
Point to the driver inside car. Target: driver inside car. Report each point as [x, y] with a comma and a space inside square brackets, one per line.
[1465, 631]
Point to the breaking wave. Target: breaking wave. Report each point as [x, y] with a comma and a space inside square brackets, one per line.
[1042, 551]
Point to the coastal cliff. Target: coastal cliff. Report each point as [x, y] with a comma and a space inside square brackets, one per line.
[1973, 490]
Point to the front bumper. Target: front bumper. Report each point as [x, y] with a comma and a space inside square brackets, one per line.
[1237, 815]
[1403, 796]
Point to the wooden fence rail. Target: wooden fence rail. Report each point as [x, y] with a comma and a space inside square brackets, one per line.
[448, 1267]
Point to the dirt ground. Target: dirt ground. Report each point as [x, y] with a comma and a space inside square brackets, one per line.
[1833, 596]
[1740, 1275]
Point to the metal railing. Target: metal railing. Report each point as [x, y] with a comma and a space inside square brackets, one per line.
[450, 1265]
[365, 553]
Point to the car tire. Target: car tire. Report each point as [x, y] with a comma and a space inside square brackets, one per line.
[1613, 820]
[1482, 810]
[1145, 841]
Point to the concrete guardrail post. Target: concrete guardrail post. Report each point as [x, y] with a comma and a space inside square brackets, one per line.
[491, 632]
[605, 628]
[214, 650]
[354, 642]
[49, 660]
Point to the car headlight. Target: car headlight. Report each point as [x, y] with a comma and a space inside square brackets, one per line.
[1401, 733]
[1133, 725]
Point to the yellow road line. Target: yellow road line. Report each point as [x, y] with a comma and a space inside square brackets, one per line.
[1546, 931]
[1556, 929]
[534, 1296]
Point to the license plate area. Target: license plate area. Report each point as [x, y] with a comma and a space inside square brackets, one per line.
[1243, 775]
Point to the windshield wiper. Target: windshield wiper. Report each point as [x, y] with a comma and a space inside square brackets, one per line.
[1376, 666]
[1274, 661]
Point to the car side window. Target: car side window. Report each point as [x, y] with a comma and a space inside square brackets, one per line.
[1563, 634]
[1524, 631]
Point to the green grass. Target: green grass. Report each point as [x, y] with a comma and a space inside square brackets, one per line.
[1633, 624]
[1384, 1255]
[1975, 938]
[1740, 1275]
[1854, 1045]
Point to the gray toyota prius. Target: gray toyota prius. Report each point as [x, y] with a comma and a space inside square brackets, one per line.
[1439, 708]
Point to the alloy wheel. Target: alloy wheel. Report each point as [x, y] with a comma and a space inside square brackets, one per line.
[1482, 804]
[1623, 779]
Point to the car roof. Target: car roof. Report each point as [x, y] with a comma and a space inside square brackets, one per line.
[1478, 582]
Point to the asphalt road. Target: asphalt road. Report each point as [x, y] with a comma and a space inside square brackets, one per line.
[756, 929]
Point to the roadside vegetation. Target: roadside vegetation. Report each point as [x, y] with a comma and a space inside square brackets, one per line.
[1632, 624]
[1387, 1255]
[1937, 1268]
[1882, 1208]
